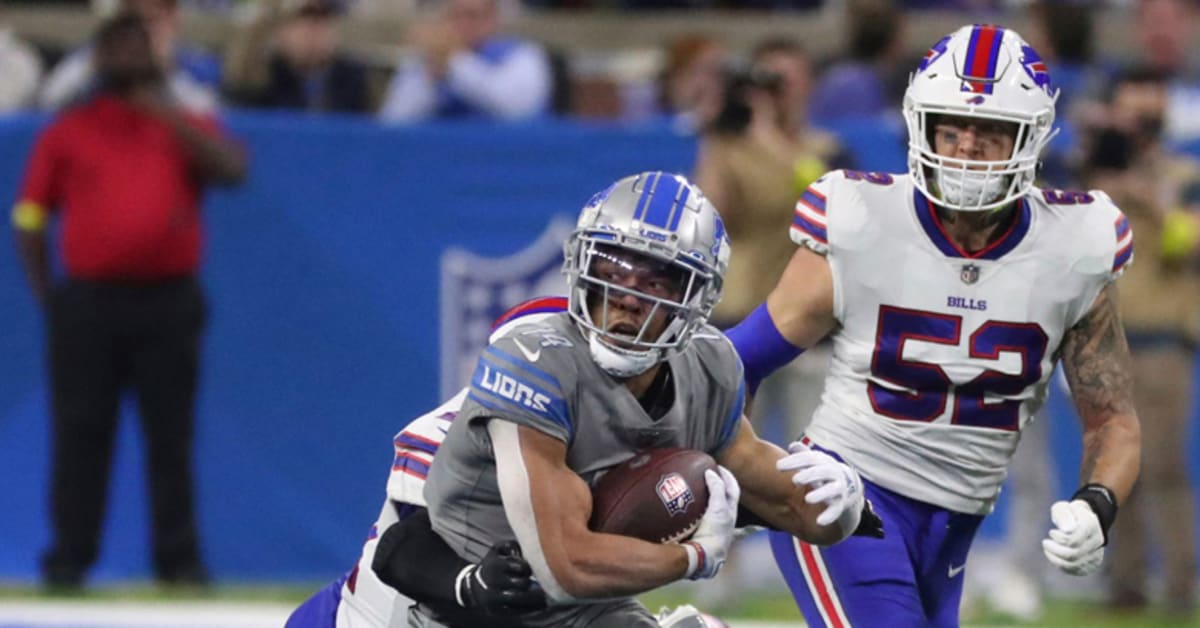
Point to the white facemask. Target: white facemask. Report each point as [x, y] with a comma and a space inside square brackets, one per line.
[621, 363]
[969, 188]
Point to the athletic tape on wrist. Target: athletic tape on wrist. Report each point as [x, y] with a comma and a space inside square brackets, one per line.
[696, 559]
[1102, 501]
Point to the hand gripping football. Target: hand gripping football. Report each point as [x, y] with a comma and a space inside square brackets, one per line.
[658, 495]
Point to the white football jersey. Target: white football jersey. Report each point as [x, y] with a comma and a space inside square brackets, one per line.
[940, 356]
[366, 601]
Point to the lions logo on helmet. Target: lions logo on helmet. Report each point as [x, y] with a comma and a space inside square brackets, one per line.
[656, 222]
[986, 72]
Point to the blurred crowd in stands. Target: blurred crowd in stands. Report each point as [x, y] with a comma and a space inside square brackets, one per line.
[460, 58]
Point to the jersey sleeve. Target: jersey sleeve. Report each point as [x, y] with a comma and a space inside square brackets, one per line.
[415, 446]
[526, 378]
[41, 186]
[727, 391]
[1107, 249]
[1123, 256]
[810, 227]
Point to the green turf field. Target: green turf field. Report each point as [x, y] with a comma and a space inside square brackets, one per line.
[1058, 613]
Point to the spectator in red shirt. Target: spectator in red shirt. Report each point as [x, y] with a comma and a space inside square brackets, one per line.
[124, 171]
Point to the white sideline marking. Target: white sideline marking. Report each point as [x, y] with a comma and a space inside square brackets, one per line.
[64, 613]
[166, 614]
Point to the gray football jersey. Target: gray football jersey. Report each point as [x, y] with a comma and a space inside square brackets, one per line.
[542, 376]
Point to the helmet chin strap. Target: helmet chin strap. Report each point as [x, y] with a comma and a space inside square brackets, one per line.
[968, 188]
[621, 363]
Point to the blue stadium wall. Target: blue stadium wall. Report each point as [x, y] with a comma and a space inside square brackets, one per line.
[323, 279]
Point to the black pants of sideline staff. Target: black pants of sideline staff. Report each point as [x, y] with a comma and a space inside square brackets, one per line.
[106, 338]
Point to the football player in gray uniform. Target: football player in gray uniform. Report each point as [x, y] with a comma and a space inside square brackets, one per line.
[632, 365]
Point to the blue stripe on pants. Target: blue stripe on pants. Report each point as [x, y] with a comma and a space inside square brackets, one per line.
[320, 610]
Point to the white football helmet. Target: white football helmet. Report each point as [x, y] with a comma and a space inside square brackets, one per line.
[986, 72]
[653, 222]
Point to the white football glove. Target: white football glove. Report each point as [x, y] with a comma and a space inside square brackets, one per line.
[707, 548]
[829, 482]
[1076, 543]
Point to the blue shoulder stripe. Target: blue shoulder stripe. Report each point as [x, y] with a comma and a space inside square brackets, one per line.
[497, 388]
[504, 359]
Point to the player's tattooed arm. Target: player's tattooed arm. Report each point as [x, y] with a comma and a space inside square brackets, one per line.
[1095, 357]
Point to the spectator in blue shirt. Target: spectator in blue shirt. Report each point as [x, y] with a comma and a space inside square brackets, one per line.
[462, 66]
[867, 84]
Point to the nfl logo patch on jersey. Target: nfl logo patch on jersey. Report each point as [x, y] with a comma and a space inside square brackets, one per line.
[969, 274]
[675, 493]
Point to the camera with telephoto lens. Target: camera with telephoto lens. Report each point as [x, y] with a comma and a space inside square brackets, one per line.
[736, 114]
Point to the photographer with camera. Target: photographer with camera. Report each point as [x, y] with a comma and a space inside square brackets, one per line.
[1160, 303]
[755, 160]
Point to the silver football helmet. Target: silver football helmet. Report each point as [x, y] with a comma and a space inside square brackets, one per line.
[985, 72]
[654, 240]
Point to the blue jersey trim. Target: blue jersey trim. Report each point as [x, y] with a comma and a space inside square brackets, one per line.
[512, 360]
[735, 416]
[927, 215]
[531, 399]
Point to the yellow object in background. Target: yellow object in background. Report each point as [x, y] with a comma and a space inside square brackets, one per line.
[1181, 234]
[805, 171]
[29, 216]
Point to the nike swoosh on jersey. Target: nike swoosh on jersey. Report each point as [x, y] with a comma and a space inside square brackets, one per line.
[954, 571]
[531, 355]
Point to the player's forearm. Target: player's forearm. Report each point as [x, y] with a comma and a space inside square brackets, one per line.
[216, 159]
[35, 257]
[1099, 372]
[599, 566]
[791, 514]
[1112, 454]
[417, 562]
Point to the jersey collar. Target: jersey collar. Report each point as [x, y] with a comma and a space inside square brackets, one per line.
[927, 216]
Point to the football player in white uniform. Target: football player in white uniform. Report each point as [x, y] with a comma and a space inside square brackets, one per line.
[359, 599]
[950, 292]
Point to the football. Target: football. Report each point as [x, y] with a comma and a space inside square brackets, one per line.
[658, 495]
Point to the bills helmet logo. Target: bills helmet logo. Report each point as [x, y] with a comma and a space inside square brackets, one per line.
[934, 54]
[675, 493]
[969, 274]
[1035, 68]
[975, 100]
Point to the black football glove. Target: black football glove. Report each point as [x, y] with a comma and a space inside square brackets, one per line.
[500, 584]
[870, 524]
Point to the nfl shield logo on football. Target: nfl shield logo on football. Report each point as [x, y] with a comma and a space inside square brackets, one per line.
[675, 493]
[969, 274]
[476, 290]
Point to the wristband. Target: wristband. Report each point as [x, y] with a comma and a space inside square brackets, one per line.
[28, 216]
[1102, 501]
[695, 556]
